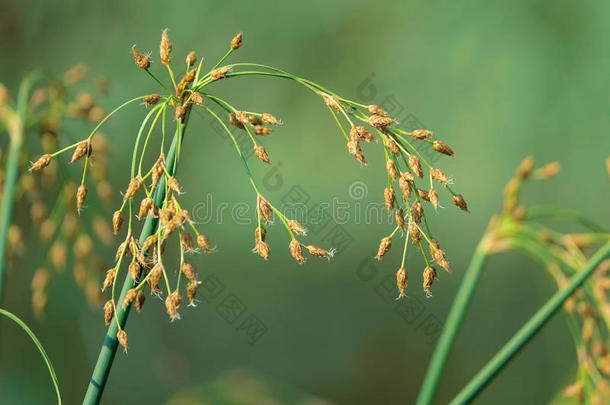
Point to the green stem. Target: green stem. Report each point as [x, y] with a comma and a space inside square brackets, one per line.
[528, 331]
[453, 323]
[108, 351]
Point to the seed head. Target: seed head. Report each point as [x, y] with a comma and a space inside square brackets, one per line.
[187, 241]
[197, 98]
[332, 101]
[117, 221]
[270, 119]
[414, 232]
[261, 130]
[376, 110]
[415, 165]
[180, 113]
[149, 242]
[134, 270]
[420, 134]
[319, 252]
[155, 276]
[296, 227]
[443, 148]
[263, 233]
[405, 182]
[353, 147]
[140, 298]
[262, 249]
[172, 303]
[109, 279]
[384, 247]
[83, 148]
[121, 336]
[42, 162]
[525, 167]
[188, 271]
[429, 277]
[236, 41]
[391, 145]
[380, 121]
[173, 184]
[400, 219]
[361, 133]
[204, 243]
[165, 48]
[142, 61]
[438, 175]
[81, 194]
[438, 255]
[220, 73]
[234, 121]
[261, 153]
[423, 194]
[433, 198]
[191, 58]
[108, 311]
[390, 197]
[459, 202]
[158, 169]
[296, 251]
[392, 169]
[549, 170]
[401, 281]
[264, 208]
[152, 99]
[146, 206]
[191, 291]
[129, 298]
[134, 186]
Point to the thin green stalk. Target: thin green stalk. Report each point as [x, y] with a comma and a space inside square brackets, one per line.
[16, 133]
[108, 351]
[528, 331]
[453, 323]
[43, 353]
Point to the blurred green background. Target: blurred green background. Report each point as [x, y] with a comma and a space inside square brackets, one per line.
[496, 80]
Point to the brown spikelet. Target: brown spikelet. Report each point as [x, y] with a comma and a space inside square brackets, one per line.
[400, 219]
[180, 113]
[433, 198]
[549, 170]
[414, 232]
[129, 298]
[191, 291]
[42, 162]
[405, 182]
[188, 271]
[525, 167]
[109, 279]
[121, 336]
[390, 198]
[142, 61]
[191, 58]
[319, 252]
[263, 207]
[423, 194]
[296, 227]
[379, 121]
[149, 242]
[384, 247]
[415, 165]
[82, 149]
[443, 148]
[438, 175]
[236, 41]
[429, 277]
[134, 270]
[361, 133]
[158, 169]
[186, 240]
[155, 276]
[134, 186]
[197, 98]
[117, 221]
[140, 298]
[108, 312]
[263, 233]
[172, 303]
[262, 249]
[401, 281]
[332, 101]
[220, 73]
[204, 243]
[145, 207]
[165, 48]
[420, 134]
[353, 147]
[391, 145]
[173, 184]
[270, 119]
[261, 153]
[438, 255]
[376, 110]
[152, 99]
[235, 122]
[392, 169]
[81, 194]
[296, 251]
[459, 202]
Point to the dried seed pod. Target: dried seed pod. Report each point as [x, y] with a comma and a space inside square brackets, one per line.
[390, 197]
[459, 202]
[319, 252]
[186, 240]
[270, 119]
[158, 169]
[197, 98]
[400, 219]
[361, 133]
[296, 227]
[384, 247]
[142, 61]
[438, 175]
[423, 194]
[417, 212]
[109, 279]
[404, 183]
[117, 221]
[262, 231]
[145, 207]
[438, 254]
[81, 194]
[173, 184]
[204, 243]
[165, 48]
[191, 58]
[443, 148]
[188, 271]
[296, 251]
[134, 270]
[152, 99]
[261, 153]
[191, 292]
[429, 277]
[332, 101]
[140, 299]
[42, 162]
[155, 276]
[134, 186]
[525, 167]
[129, 298]
[262, 249]
[261, 130]
[379, 121]
[392, 169]
[220, 73]
[83, 148]
[353, 147]
[180, 113]
[414, 232]
[415, 165]
[433, 198]
[149, 242]
[235, 122]
[391, 145]
[108, 312]
[420, 134]
[401, 281]
[376, 110]
[263, 207]
[236, 41]
[121, 336]
[172, 303]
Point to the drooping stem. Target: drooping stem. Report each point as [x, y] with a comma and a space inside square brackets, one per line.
[110, 345]
[16, 130]
[453, 323]
[528, 331]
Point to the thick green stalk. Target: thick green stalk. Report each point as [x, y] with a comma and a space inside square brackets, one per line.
[527, 331]
[453, 323]
[108, 351]
[16, 133]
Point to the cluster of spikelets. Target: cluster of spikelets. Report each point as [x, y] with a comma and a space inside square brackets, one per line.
[563, 254]
[59, 229]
